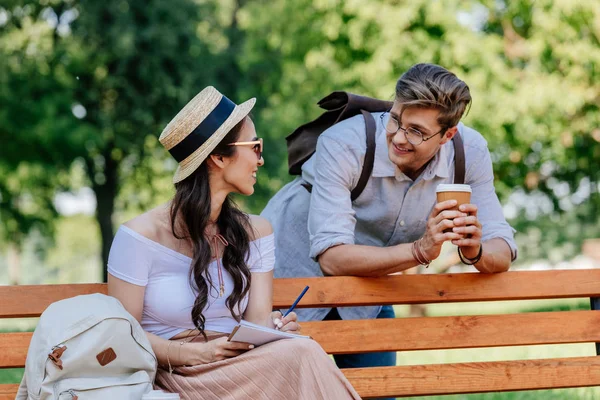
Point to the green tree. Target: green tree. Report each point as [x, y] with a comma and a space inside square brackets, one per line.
[533, 71]
[90, 85]
[91, 81]
[545, 115]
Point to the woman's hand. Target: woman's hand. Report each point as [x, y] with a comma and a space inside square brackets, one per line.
[215, 350]
[287, 324]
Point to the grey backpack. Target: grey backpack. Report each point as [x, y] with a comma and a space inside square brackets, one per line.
[88, 347]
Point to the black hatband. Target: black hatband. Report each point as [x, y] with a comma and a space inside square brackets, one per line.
[205, 130]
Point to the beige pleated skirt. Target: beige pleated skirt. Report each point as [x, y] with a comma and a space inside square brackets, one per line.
[285, 369]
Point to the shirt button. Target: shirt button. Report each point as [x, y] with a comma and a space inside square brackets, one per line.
[402, 223]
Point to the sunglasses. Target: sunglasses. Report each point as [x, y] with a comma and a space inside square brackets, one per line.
[257, 146]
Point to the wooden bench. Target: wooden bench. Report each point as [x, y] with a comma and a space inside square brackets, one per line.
[406, 334]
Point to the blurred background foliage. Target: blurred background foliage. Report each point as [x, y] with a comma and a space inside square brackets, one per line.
[87, 86]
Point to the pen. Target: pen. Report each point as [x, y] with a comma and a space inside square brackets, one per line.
[295, 303]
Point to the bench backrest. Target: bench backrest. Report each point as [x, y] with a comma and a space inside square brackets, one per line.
[405, 334]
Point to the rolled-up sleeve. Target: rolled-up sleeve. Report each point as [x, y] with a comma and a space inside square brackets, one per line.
[481, 177]
[331, 218]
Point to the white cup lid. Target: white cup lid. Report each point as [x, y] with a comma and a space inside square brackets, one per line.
[453, 187]
[160, 395]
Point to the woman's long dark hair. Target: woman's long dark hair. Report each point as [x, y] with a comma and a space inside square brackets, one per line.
[190, 212]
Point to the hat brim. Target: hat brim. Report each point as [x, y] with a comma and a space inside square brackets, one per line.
[193, 161]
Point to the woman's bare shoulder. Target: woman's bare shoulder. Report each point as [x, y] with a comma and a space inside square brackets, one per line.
[261, 227]
[150, 224]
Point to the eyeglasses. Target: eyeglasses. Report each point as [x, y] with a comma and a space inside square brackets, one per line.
[413, 135]
[257, 146]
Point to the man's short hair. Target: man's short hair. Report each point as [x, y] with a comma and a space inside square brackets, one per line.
[432, 86]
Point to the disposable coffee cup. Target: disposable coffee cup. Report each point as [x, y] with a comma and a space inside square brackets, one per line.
[454, 191]
[160, 395]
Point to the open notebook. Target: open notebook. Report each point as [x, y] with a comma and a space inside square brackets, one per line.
[257, 335]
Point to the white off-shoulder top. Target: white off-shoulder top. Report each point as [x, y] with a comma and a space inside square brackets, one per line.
[169, 298]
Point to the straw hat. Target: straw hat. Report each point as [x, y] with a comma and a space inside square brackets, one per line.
[199, 127]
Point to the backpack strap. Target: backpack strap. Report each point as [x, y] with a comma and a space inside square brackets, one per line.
[459, 159]
[369, 156]
[369, 159]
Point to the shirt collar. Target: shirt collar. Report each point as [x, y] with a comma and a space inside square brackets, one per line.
[438, 166]
[384, 168]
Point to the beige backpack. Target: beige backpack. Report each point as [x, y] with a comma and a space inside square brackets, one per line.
[88, 347]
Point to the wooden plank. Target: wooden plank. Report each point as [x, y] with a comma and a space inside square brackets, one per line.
[13, 349]
[422, 380]
[437, 379]
[8, 391]
[30, 301]
[438, 288]
[461, 332]
[406, 334]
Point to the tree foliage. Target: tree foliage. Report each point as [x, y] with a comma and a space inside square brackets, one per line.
[89, 85]
[533, 69]
[91, 81]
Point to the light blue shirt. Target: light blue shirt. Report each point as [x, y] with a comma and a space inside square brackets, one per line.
[392, 209]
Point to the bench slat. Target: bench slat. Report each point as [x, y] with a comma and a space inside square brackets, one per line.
[436, 333]
[30, 301]
[439, 288]
[421, 380]
[13, 349]
[404, 334]
[8, 391]
[479, 377]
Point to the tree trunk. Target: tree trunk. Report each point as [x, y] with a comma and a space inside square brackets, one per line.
[14, 264]
[104, 212]
[105, 189]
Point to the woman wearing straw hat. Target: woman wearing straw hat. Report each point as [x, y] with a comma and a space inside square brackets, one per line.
[189, 270]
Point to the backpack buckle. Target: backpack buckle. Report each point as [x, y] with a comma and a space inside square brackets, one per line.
[54, 356]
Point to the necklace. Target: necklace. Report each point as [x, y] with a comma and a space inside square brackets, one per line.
[215, 248]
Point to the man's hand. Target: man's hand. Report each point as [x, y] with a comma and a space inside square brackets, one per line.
[440, 219]
[469, 228]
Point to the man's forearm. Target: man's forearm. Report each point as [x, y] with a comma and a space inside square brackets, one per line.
[496, 256]
[371, 261]
[359, 260]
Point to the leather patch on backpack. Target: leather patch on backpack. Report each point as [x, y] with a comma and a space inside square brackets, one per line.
[106, 357]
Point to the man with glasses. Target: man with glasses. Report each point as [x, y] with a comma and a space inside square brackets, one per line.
[326, 233]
